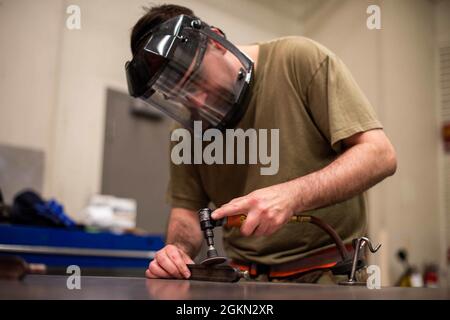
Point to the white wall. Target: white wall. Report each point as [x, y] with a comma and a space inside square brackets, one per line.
[30, 34]
[442, 25]
[408, 67]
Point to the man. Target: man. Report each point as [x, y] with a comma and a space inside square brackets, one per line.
[331, 145]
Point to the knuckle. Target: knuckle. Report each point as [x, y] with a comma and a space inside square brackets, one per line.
[254, 200]
[171, 250]
[162, 259]
[278, 219]
[233, 206]
[173, 257]
[170, 247]
[271, 215]
[261, 206]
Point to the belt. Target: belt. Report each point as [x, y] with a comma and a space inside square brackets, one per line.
[324, 259]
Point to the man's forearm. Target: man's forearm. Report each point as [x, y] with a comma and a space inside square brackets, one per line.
[356, 170]
[184, 231]
[369, 159]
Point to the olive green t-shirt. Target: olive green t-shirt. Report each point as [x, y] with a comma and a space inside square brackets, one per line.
[305, 91]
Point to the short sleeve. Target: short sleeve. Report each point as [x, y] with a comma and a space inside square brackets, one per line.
[339, 107]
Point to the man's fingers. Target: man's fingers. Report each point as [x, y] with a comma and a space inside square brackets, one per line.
[155, 271]
[231, 209]
[261, 229]
[149, 275]
[250, 224]
[175, 255]
[168, 265]
[170, 262]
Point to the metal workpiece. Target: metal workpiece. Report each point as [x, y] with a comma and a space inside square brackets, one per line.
[219, 273]
[114, 288]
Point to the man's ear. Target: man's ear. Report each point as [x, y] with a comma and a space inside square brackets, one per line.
[215, 43]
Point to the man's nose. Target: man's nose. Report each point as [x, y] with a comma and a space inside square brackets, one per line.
[198, 99]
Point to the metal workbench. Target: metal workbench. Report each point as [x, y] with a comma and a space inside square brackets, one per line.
[111, 288]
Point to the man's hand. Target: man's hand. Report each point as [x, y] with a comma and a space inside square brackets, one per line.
[169, 262]
[184, 239]
[267, 209]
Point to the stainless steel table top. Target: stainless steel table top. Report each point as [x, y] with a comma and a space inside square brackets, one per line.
[111, 288]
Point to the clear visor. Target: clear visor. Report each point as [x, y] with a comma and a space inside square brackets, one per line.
[198, 85]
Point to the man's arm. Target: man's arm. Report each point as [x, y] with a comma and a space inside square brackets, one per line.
[184, 231]
[369, 158]
[184, 239]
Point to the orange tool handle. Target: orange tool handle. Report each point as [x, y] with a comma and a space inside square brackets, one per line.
[238, 220]
[234, 221]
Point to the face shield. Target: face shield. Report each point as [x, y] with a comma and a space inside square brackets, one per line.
[192, 74]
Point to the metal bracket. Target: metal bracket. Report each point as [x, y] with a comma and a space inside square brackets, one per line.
[218, 273]
[358, 245]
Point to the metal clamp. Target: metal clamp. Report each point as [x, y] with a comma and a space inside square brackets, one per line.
[358, 244]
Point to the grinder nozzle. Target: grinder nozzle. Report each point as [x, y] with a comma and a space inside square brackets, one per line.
[207, 224]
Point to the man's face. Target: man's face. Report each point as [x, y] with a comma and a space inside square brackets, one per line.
[211, 85]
